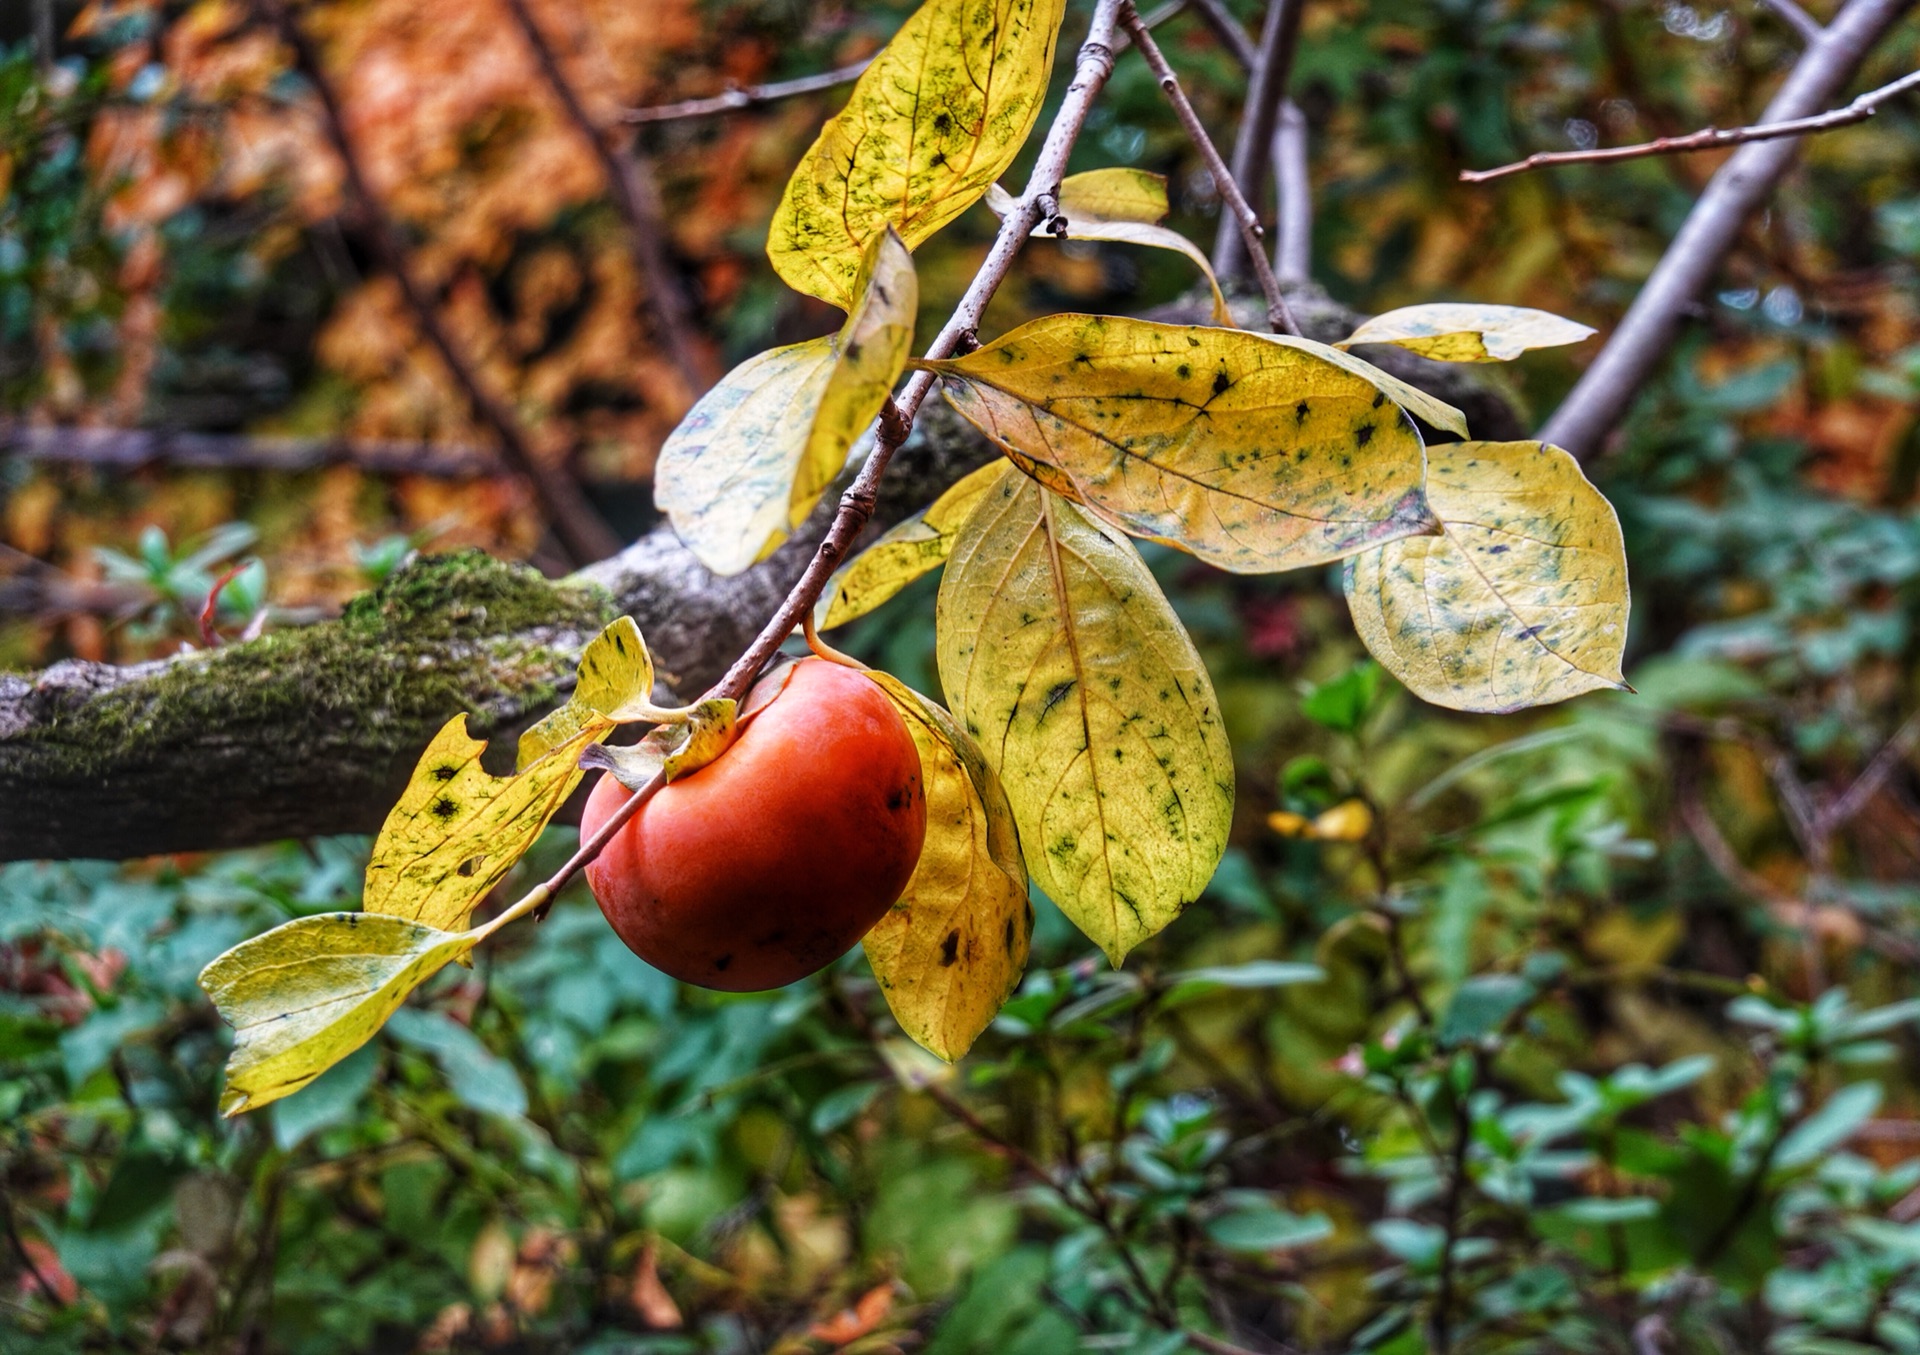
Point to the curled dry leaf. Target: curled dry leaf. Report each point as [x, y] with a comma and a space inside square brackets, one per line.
[1253, 455]
[952, 949]
[911, 548]
[308, 993]
[1123, 206]
[1523, 598]
[678, 749]
[1462, 332]
[935, 119]
[1066, 662]
[752, 458]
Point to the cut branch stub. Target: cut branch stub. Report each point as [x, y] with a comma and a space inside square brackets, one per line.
[1253, 455]
[952, 949]
[1066, 663]
[936, 118]
[1523, 598]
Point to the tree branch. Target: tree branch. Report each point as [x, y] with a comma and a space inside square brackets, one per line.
[1293, 194]
[630, 179]
[1279, 316]
[576, 524]
[1279, 36]
[747, 96]
[1709, 138]
[128, 449]
[1796, 18]
[1652, 323]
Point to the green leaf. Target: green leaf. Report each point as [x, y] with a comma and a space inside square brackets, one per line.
[1253, 455]
[1342, 703]
[752, 458]
[1463, 332]
[1064, 660]
[480, 1078]
[1830, 1126]
[936, 118]
[952, 948]
[305, 995]
[1522, 600]
[1480, 1007]
[1267, 1230]
[330, 1099]
[1187, 984]
[912, 548]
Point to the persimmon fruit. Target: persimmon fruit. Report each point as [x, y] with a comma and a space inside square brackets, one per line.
[773, 860]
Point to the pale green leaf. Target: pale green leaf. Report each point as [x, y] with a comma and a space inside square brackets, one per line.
[936, 118]
[1523, 598]
[305, 995]
[911, 548]
[1464, 332]
[1066, 663]
[1255, 456]
[952, 949]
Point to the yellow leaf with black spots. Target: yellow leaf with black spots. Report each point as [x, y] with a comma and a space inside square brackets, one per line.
[613, 685]
[936, 118]
[1065, 662]
[1523, 598]
[1464, 332]
[911, 548]
[1254, 456]
[951, 950]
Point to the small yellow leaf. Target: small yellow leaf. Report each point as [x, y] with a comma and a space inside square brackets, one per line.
[1123, 206]
[936, 118]
[1403, 393]
[613, 685]
[914, 546]
[752, 458]
[1349, 821]
[1067, 664]
[1522, 600]
[1255, 456]
[677, 749]
[308, 993]
[1289, 824]
[458, 829]
[872, 352]
[951, 950]
[1461, 332]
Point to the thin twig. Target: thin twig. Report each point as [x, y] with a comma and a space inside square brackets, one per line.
[1227, 28]
[1270, 72]
[630, 178]
[1797, 19]
[130, 449]
[1855, 797]
[579, 528]
[43, 36]
[1709, 138]
[746, 96]
[1651, 324]
[1279, 315]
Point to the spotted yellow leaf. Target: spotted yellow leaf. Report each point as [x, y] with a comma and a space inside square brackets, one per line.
[1403, 393]
[1066, 663]
[1124, 206]
[951, 950]
[935, 119]
[1254, 456]
[752, 458]
[1463, 332]
[911, 548]
[458, 829]
[1523, 598]
[308, 993]
[613, 685]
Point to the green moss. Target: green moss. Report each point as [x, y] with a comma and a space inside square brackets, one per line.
[445, 634]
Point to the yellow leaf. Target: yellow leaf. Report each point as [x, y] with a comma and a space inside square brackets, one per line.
[1064, 660]
[1121, 205]
[1289, 824]
[1522, 600]
[936, 118]
[677, 749]
[1254, 456]
[1403, 393]
[613, 685]
[308, 993]
[1349, 821]
[951, 950]
[458, 828]
[1460, 332]
[910, 549]
[752, 458]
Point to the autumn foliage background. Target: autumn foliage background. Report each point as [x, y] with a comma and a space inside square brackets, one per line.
[1446, 1135]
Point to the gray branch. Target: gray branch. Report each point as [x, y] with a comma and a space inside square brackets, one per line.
[1647, 331]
